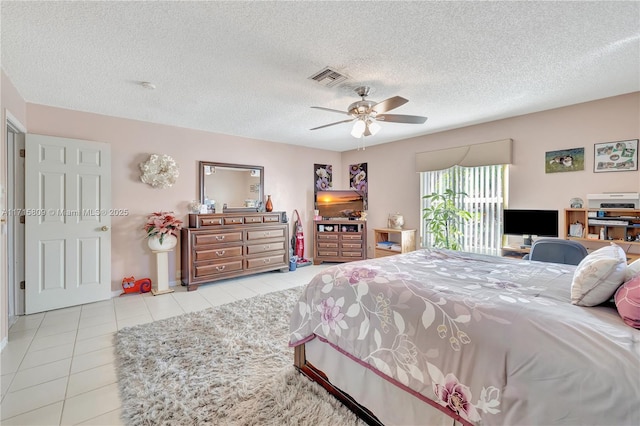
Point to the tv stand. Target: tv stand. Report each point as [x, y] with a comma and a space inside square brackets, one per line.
[339, 240]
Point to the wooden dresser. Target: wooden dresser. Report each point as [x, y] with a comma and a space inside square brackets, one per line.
[228, 245]
[339, 241]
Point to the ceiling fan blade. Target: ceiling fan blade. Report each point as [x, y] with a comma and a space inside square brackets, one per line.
[389, 104]
[399, 118]
[331, 110]
[333, 124]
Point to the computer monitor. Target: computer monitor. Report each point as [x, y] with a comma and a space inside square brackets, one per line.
[541, 223]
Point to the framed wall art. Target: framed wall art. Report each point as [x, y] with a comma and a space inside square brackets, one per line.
[359, 181]
[564, 160]
[618, 156]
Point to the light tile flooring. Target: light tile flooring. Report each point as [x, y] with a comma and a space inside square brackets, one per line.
[58, 367]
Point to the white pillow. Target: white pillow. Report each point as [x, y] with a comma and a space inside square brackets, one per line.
[598, 276]
[633, 269]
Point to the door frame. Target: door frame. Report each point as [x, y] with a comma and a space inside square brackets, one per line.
[15, 294]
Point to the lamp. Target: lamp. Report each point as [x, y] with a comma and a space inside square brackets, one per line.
[358, 128]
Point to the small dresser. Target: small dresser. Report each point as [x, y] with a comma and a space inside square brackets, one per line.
[228, 245]
[339, 240]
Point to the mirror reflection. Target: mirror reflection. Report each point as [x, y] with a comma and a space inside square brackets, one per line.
[225, 187]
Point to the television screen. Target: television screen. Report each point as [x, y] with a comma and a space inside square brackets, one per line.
[339, 204]
[542, 223]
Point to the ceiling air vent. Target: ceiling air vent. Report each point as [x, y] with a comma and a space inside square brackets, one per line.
[328, 77]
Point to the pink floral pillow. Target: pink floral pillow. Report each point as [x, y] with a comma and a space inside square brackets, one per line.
[628, 302]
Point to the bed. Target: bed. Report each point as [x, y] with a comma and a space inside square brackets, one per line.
[443, 337]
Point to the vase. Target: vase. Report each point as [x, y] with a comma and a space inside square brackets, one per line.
[396, 221]
[168, 242]
[268, 205]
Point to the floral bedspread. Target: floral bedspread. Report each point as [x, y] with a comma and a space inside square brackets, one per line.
[491, 340]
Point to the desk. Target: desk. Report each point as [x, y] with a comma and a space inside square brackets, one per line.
[515, 252]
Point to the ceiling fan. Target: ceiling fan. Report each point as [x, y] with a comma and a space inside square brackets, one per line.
[366, 113]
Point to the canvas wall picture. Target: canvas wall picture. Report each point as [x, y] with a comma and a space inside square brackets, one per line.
[359, 180]
[564, 160]
[322, 177]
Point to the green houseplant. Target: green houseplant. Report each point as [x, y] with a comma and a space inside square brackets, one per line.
[443, 218]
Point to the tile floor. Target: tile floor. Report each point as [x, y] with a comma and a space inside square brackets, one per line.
[63, 373]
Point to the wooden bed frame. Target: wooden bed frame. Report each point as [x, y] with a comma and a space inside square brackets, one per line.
[306, 368]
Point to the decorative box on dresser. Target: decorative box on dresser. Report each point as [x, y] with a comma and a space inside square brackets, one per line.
[228, 245]
[339, 241]
[394, 241]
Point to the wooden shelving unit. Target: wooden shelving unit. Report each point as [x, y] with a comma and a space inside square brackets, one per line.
[404, 241]
[603, 226]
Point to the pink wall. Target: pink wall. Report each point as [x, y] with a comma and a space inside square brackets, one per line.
[394, 185]
[288, 174]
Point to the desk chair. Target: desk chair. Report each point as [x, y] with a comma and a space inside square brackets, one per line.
[557, 251]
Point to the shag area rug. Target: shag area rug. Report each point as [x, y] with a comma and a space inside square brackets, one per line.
[227, 365]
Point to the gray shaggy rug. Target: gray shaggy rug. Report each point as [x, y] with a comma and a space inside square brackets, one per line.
[227, 365]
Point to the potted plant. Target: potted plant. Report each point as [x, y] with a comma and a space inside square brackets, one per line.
[443, 218]
[162, 230]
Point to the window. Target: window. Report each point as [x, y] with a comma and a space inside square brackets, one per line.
[485, 187]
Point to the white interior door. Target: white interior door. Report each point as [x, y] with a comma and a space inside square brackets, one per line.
[67, 225]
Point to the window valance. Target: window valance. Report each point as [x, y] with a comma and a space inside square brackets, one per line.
[482, 154]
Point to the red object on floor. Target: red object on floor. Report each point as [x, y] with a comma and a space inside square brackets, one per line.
[131, 285]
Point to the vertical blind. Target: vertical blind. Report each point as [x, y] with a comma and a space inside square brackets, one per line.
[485, 189]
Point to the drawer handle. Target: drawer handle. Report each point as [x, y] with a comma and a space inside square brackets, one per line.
[266, 234]
[267, 260]
[219, 237]
[220, 268]
[221, 253]
[267, 247]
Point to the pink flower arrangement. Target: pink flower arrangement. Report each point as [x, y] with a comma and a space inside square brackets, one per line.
[161, 224]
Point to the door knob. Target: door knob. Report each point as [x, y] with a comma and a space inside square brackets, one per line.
[105, 228]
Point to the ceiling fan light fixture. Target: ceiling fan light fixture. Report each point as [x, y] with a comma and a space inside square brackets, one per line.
[358, 128]
[373, 127]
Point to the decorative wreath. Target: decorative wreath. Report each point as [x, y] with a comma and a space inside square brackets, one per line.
[159, 171]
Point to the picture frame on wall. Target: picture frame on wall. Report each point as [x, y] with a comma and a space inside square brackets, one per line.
[564, 160]
[617, 156]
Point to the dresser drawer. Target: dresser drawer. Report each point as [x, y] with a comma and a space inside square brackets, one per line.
[217, 238]
[322, 244]
[346, 253]
[265, 233]
[217, 253]
[327, 253]
[327, 236]
[252, 219]
[233, 220]
[266, 261]
[352, 245]
[265, 247]
[217, 268]
[209, 221]
[271, 218]
[354, 236]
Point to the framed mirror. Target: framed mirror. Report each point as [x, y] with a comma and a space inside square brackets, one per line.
[228, 187]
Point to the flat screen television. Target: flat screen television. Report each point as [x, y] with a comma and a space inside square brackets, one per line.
[345, 204]
[527, 223]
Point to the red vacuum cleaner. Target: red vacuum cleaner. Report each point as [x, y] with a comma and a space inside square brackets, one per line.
[297, 240]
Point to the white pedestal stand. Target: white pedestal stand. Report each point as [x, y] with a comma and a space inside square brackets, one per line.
[161, 285]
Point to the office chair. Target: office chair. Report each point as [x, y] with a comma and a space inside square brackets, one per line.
[557, 251]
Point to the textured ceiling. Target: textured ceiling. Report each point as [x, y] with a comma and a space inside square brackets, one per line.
[242, 68]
